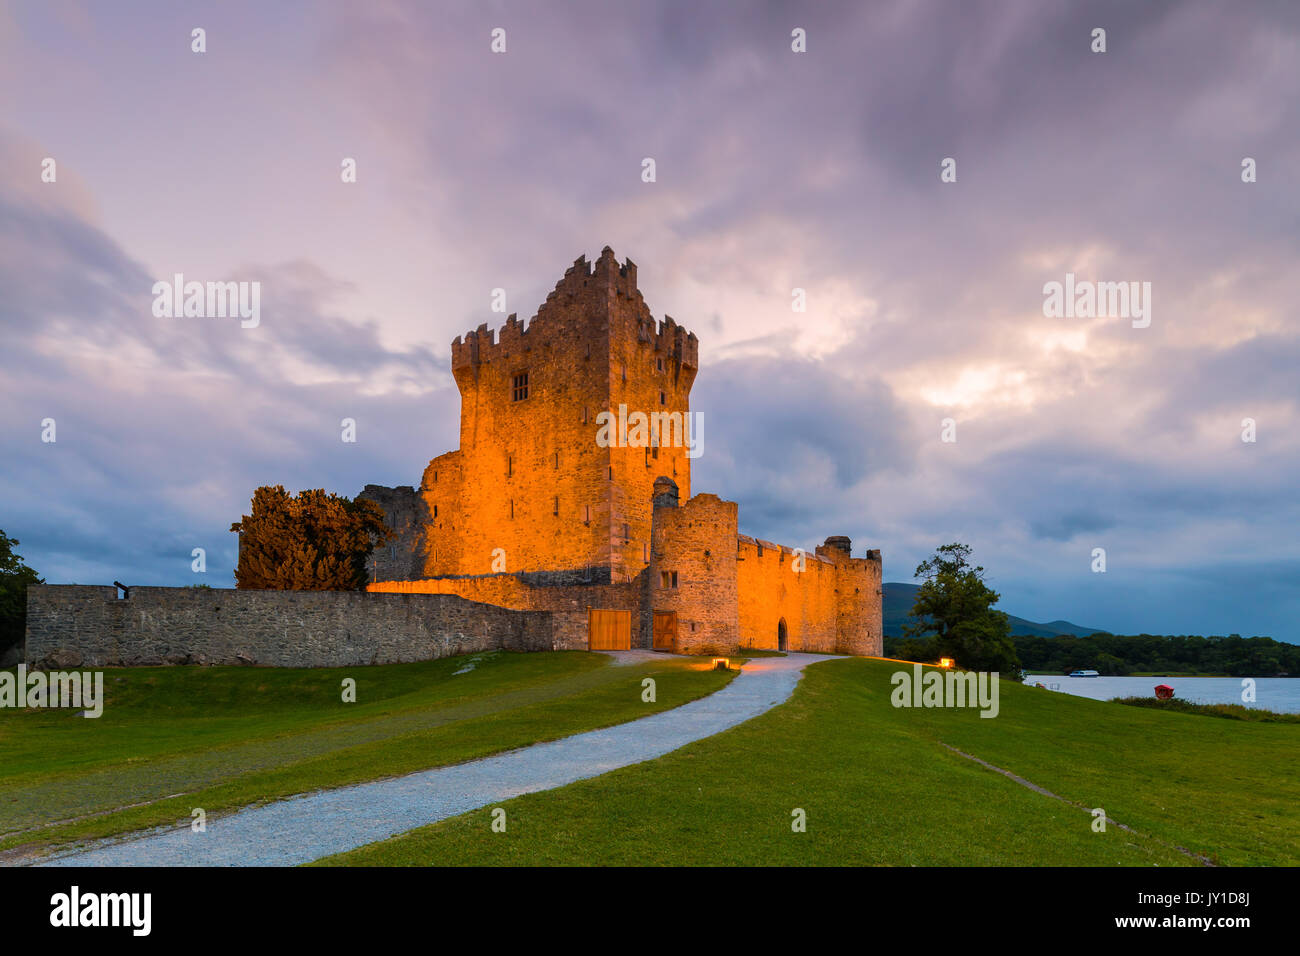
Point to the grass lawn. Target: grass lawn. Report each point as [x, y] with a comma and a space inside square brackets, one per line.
[175, 738]
[879, 787]
[1228, 711]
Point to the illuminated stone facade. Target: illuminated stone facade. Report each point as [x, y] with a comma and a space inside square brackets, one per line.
[549, 504]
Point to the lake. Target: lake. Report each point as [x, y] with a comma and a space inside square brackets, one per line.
[1280, 694]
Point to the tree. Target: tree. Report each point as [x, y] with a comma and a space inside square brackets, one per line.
[956, 606]
[312, 542]
[14, 579]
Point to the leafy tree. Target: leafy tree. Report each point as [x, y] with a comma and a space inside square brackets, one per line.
[311, 542]
[14, 579]
[911, 649]
[1155, 654]
[1108, 664]
[1140, 653]
[956, 606]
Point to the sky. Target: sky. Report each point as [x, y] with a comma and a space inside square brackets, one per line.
[774, 170]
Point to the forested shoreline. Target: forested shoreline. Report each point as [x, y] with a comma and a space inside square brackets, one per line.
[1120, 655]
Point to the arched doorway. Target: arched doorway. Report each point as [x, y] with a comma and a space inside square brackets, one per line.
[782, 639]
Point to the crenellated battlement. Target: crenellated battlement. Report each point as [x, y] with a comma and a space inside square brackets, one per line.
[677, 343]
[483, 344]
[584, 284]
[605, 277]
[468, 352]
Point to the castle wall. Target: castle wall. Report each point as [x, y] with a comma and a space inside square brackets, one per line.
[831, 607]
[76, 624]
[770, 589]
[558, 594]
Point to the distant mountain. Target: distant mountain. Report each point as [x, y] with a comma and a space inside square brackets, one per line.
[899, 599]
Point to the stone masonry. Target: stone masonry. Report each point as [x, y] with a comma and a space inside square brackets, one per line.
[544, 527]
[70, 625]
[533, 512]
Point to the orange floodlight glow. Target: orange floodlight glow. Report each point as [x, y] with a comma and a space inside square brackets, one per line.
[945, 662]
[721, 664]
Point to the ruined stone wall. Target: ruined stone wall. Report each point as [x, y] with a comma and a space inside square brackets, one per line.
[405, 513]
[90, 625]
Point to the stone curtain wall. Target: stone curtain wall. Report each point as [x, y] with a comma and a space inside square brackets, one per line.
[833, 606]
[566, 601]
[770, 589]
[72, 625]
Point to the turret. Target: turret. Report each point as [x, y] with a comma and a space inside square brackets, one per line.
[665, 493]
[840, 542]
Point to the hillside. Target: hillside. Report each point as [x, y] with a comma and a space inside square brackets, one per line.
[900, 597]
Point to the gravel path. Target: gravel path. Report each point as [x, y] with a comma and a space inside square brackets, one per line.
[319, 824]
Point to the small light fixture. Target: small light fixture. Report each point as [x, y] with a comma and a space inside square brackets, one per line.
[721, 664]
[945, 662]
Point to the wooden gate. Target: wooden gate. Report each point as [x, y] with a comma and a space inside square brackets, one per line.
[665, 635]
[609, 630]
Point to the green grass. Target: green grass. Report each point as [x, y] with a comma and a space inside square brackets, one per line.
[879, 787]
[175, 738]
[1230, 711]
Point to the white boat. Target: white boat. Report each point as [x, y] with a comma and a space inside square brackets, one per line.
[1085, 674]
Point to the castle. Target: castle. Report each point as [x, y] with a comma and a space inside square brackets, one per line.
[571, 493]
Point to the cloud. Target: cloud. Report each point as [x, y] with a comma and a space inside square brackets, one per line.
[165, 426]
[794, 444]
[776, 171]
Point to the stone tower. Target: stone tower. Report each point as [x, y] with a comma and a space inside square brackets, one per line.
[571, 493]
[692, 571]
[535, 484]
